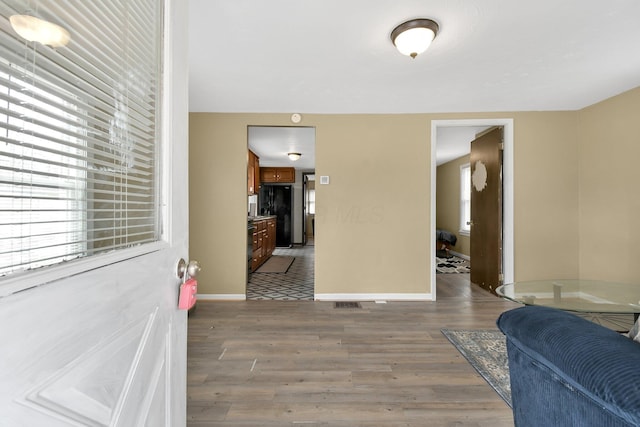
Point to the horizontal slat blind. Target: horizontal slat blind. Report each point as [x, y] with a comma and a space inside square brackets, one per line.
[79, 132]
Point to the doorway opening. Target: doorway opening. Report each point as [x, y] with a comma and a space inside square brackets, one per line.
[308, 208]
[438, 127]
[282, 197]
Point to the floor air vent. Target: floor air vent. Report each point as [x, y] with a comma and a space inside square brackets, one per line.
[347, 304]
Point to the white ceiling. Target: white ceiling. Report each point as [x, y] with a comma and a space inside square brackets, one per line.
[335, 56]
[272, 143]
[454, 142]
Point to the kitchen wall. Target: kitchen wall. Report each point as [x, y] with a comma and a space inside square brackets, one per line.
[372, 221]
[448, 202]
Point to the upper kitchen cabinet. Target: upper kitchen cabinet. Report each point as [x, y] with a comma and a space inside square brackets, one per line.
[253, 173]
[281, 175]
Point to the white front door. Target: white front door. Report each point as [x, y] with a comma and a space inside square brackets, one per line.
[107, 347]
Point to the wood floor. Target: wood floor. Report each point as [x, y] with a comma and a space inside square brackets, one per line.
[305, 363]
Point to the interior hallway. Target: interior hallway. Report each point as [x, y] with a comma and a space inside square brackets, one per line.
[292, 363]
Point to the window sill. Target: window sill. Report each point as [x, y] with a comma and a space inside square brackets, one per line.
[22, 281]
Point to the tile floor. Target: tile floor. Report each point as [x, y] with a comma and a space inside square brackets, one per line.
[295, 284]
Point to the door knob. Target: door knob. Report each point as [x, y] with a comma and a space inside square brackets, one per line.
[192, 269]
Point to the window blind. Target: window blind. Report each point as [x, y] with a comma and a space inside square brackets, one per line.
[79, 132]
[465, 197]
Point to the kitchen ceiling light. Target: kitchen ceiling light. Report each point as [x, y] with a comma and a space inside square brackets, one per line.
[415, 36]
[38, 30]
[294, 156]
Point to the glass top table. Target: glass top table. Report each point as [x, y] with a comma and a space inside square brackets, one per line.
[597, 300]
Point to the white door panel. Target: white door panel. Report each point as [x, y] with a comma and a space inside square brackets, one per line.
[95, 349]
[107, 347]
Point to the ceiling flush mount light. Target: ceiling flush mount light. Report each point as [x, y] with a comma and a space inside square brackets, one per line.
[38, 30]
[414, 37]
[294, 156]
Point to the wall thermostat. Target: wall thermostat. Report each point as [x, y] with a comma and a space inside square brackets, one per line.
[295, 118]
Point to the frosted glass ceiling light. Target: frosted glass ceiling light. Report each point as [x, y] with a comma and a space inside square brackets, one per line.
[414, 37]
[38, 30]
[294, 156]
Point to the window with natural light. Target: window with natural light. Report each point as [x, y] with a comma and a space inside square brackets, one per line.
[311, 201]
[465, 199]
[79, 134]
[41, 170]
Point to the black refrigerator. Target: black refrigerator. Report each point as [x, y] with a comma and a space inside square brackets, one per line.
[276, 200]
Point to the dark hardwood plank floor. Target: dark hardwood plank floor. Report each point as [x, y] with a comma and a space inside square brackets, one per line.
[306, 363]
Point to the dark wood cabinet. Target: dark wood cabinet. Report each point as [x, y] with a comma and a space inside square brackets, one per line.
[256, 174]
[270, 237]
[253, 173]
[264, 241]
[281, 175]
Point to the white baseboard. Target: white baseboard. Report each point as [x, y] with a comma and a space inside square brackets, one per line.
[374, 297]
[330, 297]
[222, 297]
[459, 255]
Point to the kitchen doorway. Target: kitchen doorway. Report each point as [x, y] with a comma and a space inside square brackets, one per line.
[284, 165]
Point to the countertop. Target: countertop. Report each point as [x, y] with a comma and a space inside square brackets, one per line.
[259, 218]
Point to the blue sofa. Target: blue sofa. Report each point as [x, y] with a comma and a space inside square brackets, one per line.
[567, 371]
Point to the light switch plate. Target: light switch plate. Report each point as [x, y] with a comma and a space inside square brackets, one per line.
[324, 180]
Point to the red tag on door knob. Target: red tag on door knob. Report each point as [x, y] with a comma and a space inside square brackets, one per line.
[188, 291]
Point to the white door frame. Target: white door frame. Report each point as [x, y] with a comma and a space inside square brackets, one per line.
[507, 183]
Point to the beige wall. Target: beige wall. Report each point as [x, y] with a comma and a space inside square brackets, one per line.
[448, 202]
[609, 177]
[367, 219]
[372, 222]
[546, 196]
[218, 201]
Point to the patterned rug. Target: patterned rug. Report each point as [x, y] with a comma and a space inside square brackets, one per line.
[486, 351]
[276, 264]
[452, 265]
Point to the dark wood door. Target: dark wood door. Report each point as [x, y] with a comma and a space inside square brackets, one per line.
[486, 209]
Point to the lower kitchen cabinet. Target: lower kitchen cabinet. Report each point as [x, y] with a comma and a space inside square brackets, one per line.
[264, 241]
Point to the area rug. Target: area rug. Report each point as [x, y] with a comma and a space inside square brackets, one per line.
[276, 264]
[452, 265]
[486, 351]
